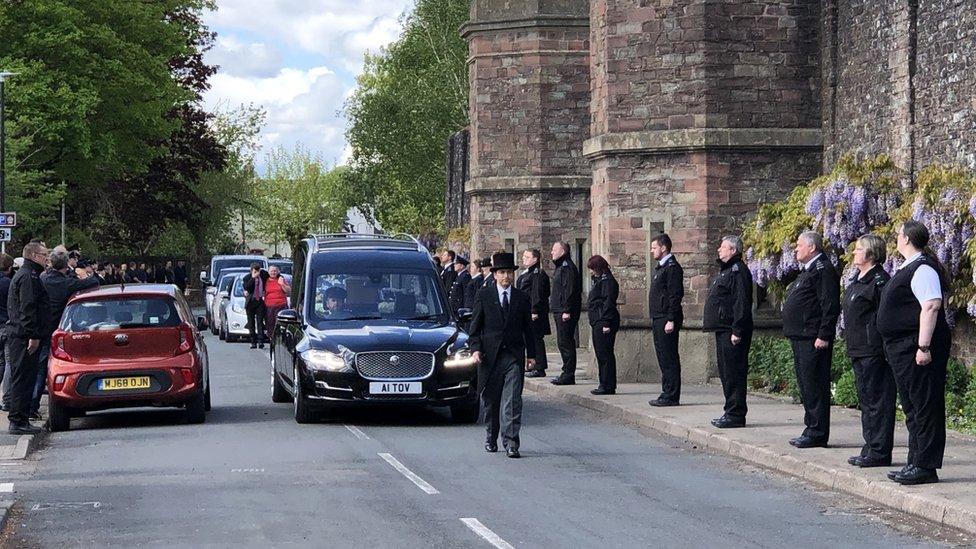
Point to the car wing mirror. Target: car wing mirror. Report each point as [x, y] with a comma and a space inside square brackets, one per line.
[465, 314]
[289, 316]
[203, 277]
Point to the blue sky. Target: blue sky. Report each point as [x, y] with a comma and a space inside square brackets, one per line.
[299, 60]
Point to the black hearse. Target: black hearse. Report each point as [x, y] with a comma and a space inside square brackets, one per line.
[369, 325]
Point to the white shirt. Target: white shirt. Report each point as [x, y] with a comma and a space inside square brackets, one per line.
[502, 292]
[664, 259]
[808, 264]
[925, 282]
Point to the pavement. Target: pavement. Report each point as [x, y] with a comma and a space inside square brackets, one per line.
[14, 449]
[771, 422]
[402, 477]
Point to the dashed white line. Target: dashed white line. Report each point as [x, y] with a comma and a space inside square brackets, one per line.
[6, 487]
[357, 432]
[483, 531]
[421, 483]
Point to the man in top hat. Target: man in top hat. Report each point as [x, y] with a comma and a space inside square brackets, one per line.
[489, 279]
[460, 285]
[503, 345]
[335, 301]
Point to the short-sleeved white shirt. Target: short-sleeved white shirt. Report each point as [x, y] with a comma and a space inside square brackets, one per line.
[925, 282]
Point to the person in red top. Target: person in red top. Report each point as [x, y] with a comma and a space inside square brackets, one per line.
[276, 299]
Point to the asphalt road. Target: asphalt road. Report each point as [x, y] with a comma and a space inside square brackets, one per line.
[252, 477]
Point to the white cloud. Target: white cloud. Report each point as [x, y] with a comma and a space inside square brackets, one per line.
[245, 59]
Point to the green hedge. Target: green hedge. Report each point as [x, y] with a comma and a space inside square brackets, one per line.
[771, 370]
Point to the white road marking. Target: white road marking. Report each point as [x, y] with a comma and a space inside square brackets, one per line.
[357, 432]
[247, 470]
[66, 505]
[421, 483]
[483, 531]
[6, 487]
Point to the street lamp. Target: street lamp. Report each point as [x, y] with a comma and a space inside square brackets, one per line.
[3, 141]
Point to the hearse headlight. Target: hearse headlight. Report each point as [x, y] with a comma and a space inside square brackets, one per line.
[324, 361]
[463, 358]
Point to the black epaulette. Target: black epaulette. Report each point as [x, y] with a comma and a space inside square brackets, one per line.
[820, 265]
[735, 268]
[878, 280]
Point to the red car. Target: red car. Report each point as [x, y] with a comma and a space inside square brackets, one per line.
[127, 346]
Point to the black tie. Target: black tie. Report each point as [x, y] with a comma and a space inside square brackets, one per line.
[505, 303]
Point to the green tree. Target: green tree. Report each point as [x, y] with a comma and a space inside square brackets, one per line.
[410, 99]
[299, 196]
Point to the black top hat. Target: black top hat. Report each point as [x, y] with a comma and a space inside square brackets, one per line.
[336, 292]
[503, 261]
[461, 260]
[486, 262]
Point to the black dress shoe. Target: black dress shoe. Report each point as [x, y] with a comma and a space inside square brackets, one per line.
[917, 475]
[894, 474]
[804, 441]
[261, 346]
[513, 453]
[863, 461]
[660, 402]
[853, 460]
[491, 447]
[27, 429]
[602, 391]
[726, 422]
[253, 346]
[536, 373]
[564, 381]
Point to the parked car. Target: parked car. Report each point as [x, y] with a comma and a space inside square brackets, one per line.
[233, 317]
[131, 346]
[218, 264]
[223, 287]
[392, 340]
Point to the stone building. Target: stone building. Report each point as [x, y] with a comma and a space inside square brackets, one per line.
[605, 122]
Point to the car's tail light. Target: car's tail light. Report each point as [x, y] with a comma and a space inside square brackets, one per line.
[187, 376]
[186, 339]
[57, 347]
[59, 382]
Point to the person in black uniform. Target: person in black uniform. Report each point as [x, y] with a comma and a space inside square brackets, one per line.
[664, 305]
[535, 283]
[810, 316]
[460, 285]
[728, 313]
[448, 274]
[489, 279]
[872, 375]
[28, 325]
[917, 338]
[565, 302]
[477, 282]
[601, 309]
[503, 345]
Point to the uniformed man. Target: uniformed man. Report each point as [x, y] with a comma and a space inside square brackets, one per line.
[810, 323]
[664, 305]
[566, 303]
[477, 282]
[460, 285]
[728, 313]
[335, 301]
[29, 323]
[448, 274]
[489, 279]
[872, 375]
[916, 339]
[535, 283]
[503, 345]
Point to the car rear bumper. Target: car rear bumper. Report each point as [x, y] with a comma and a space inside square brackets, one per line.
[333, 389]
[79, 390]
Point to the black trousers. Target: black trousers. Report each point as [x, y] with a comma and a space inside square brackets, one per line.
[922, 391]
[541, 362]
[606, 360]
[566, 341]
[501, 400]
[666, 349]
[813, 378]
[256, 311]
[23, 375]
[733, 369]
[877, 392]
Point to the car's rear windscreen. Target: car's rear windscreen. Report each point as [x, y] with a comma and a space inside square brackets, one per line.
[120, 314]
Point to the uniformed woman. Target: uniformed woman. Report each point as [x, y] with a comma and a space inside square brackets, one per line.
[872, 375]
[604, 322]
[916, 338]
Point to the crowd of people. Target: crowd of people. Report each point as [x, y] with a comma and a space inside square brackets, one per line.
[34, 291]
[265, 295]
[895, 329]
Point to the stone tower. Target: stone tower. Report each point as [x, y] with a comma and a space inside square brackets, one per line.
[529, 110]
[700, 110]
